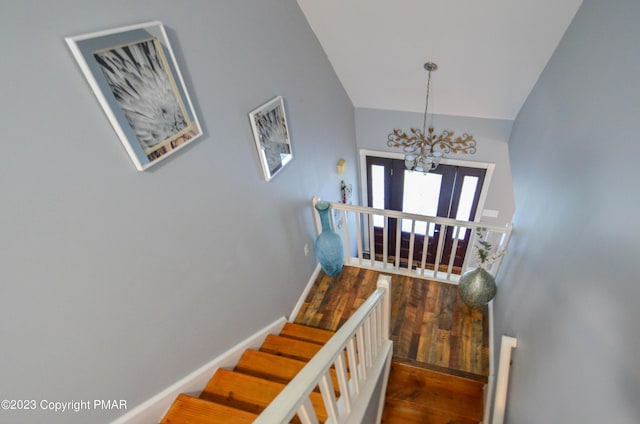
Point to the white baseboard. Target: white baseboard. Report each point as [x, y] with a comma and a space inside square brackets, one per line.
[303, 297]
[152, 410]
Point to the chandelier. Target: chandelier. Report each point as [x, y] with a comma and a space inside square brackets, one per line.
[423, 148]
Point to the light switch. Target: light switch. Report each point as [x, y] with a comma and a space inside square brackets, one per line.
[490, 213]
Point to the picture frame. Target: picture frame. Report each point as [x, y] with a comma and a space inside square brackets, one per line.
[134, 75]
[271, 135]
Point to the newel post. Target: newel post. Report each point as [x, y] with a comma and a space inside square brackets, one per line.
[384, 282]
[316, 215]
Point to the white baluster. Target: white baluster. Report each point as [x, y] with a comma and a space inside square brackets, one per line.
[412, 240]
[341, 372]
[362, 360]
[373, 318]
[454, 247]
[385, 242]
[353, 365]
[372, 241]
[468, 253]
[367, 342]
[378, 329]
[436, 265]
[329, 397]
[425, 248]
[359, 237]
[345, 232]
[306, 413]
[398, 241]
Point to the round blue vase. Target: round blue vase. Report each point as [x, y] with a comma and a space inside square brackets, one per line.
[329, 249]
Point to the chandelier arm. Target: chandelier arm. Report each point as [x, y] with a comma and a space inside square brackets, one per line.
[444, 147]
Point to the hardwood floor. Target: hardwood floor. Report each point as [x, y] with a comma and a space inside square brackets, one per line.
[440, 346]
[430, 325]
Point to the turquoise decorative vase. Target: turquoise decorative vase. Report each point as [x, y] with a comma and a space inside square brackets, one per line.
[329, 249]
[477, 287]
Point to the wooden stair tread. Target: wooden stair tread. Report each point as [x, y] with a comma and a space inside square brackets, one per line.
[439, 378]
[266, 365]
[464, 375]
[399, 412]
[249, 393]
[275, 368]
[433, 394]
[290, 348]
[186, 409]
[306, 333]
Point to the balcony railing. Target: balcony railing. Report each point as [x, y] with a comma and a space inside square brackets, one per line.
[416, 245]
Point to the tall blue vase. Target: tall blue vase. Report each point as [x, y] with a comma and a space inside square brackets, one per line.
[329, 249]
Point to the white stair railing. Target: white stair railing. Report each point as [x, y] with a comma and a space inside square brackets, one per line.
[499, 407]
[356, 226]
[360, 352]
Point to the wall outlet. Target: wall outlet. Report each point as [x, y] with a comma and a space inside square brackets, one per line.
[306, 249]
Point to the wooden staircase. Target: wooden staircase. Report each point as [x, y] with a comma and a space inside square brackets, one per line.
[239, 395]
[423, 396]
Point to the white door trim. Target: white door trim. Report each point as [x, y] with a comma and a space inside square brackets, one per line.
[490, 167]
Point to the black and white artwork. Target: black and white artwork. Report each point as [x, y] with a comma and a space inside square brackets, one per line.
[133, 72]
[271, 134]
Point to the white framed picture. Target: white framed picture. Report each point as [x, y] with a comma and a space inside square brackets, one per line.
[135, 76]
[271, 134]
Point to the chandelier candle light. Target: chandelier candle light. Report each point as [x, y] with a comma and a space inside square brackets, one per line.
[423, 148]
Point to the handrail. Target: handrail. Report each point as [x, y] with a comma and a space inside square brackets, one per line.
[412, 216]
[358, 232]
[365, 338]
[507, 344]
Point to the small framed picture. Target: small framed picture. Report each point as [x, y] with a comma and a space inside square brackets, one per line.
[135, 76]
[271, 134]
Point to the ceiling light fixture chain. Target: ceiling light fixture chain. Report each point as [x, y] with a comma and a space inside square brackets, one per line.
[423, 149]
[429, 67]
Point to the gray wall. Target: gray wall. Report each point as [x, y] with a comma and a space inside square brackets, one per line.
[570, 287]
[492, 135]
[116, 283]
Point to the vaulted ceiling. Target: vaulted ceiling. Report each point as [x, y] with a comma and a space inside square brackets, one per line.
[490, 53]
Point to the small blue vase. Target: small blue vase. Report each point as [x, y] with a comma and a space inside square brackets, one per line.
[329, 249]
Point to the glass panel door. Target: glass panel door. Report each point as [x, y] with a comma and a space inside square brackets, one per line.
[379, 181]
[378, 192]
[421, 195]
[424, 194]
[448, 192]
[464, 205]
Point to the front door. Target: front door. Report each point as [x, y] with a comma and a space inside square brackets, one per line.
[448, 191]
